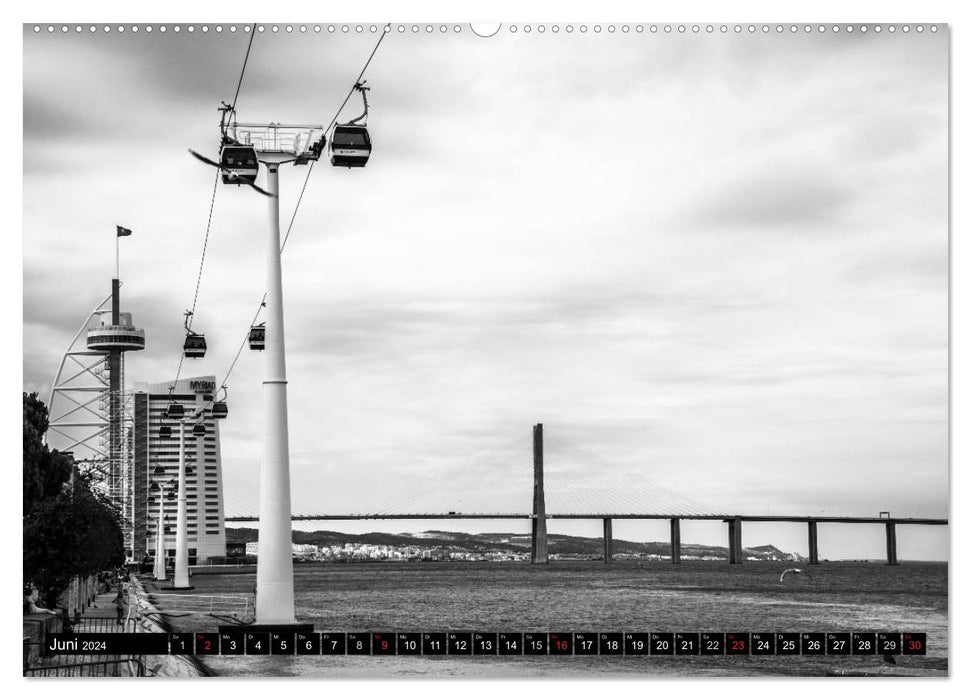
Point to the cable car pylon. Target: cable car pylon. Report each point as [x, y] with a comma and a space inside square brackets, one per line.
[276, 144]
[273, 145]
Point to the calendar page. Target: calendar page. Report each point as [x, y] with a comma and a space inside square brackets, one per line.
[486, 350]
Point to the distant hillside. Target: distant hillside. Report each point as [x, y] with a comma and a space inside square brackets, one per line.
[564, 545]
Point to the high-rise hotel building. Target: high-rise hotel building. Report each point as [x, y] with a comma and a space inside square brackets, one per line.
[155, 447]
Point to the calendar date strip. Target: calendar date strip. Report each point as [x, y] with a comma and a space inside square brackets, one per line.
[491, 644]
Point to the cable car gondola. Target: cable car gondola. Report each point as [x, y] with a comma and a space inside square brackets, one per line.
[238, 164]
[198, 429]
[195, 343]
[176, 411]
[165, 432]
[350, 144]
[219, 408]
[257, 337]
[159, 469]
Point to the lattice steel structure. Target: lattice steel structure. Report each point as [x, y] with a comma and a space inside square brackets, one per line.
[90, 411]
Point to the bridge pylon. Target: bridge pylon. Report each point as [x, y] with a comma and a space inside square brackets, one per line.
[539, 550]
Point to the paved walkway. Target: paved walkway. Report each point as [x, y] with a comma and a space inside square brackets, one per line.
[102, 616]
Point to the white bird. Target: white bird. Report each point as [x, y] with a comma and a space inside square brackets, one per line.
[794, 571]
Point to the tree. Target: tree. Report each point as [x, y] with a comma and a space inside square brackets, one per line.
[74, 533]
[68, 532]
[45, 471]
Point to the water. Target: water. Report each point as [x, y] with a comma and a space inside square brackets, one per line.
[592, 597]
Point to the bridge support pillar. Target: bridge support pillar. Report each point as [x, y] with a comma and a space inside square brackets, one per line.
[813, 543]
[608, 540]
[540, 551]
[675, 540]
[892, 544]
[735, 541]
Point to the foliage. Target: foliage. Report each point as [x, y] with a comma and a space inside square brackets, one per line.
[69, 529]
[45, 471]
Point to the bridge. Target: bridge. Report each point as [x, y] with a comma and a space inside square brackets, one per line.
[539, 547]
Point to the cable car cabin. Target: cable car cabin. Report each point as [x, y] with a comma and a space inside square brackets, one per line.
[257, 337]
[159, 469]
[220, 409]
[195, 345]
[174, 410]
[350, 146]
[198, 429]
[165, 432]
[238, 163]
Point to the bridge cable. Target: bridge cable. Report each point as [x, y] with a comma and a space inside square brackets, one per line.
[448, 478]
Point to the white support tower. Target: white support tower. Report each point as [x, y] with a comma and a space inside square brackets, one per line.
[180, 578]
[276, 144]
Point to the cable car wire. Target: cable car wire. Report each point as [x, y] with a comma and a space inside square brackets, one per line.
[205, 242]
[212, 206]
[215, 184]
[297, 207]
[303, 189]
[252, 35]
[367, 63]
[244, 343]
[310, 169]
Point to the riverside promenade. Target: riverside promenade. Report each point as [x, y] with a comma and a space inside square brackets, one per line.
[97, 613]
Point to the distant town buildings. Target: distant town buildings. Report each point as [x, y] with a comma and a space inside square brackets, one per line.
[356, 551]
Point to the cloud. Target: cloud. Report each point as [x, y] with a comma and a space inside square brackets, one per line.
[687, 258]
[787, 199]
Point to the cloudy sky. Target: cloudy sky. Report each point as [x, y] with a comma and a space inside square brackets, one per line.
[713, 263]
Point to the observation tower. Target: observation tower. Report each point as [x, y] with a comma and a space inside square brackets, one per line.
[89, 412]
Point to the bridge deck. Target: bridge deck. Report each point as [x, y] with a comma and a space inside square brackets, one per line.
[601, 516]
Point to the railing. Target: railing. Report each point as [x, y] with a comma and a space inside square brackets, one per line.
[38, 665]
[128, 668]
[235, 607]
[100, 625]
[282, 138]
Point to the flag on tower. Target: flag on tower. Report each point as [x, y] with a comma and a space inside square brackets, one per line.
[122, 231]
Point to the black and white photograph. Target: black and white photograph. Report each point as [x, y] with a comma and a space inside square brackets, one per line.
[385, 350]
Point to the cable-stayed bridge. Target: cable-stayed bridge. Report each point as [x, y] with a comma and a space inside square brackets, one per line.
[565, 494]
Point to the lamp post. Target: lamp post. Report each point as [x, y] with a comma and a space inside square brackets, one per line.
[158, 569]
[180, 580]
